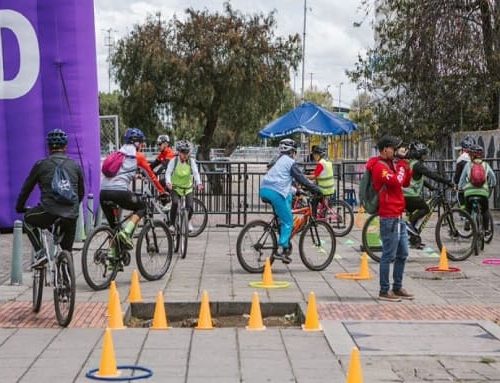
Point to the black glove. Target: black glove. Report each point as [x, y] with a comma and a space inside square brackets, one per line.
[21, 209]
[164, 198]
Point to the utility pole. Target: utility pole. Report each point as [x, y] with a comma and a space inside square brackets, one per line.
[340, 94]
[303, 52]
[109, 43]
[311, 86]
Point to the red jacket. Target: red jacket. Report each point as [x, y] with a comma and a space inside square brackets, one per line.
[389, 179]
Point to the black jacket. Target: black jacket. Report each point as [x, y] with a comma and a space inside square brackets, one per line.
[41, 174]
[419, 170]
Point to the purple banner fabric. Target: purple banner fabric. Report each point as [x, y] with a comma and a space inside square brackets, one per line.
[48, 80]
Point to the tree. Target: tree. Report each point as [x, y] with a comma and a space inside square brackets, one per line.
[363, 115]
[223, 74]
[435, 67]
[323, 99]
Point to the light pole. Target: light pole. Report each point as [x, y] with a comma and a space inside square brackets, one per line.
[340, 94]
[303, 52]
[328, 92]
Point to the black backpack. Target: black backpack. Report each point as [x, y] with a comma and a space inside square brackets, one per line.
[62, 190]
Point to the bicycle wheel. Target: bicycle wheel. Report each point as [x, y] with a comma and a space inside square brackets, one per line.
[317, 245]
[154, 250]
[340, 217]
[456, 230]
[183, 233]
[256, 242]
[64, 288]
[38, 280]
[199, 219]
[478, 219]
[489, 234]
[370, 238]
[96, 267]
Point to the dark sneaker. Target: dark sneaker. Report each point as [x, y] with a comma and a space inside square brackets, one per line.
[126, 240]
[40, 260]
[467, 226]
[403, 294]
[283, 257]
[412, 229]
[389, 297]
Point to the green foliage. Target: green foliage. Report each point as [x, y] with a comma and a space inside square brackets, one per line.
[435, 67]
[224, 75]
[323, 99]
[362, 113]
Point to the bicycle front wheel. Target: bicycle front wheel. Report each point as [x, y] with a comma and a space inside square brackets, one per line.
[154, 250]
[456, 230]
[38, 280]
[199, 219]
[64, 288]
[317, 245]
[488, 236]
[340, 217]
[182, 233]
[256, 242]
[370, 238]
[96, 267]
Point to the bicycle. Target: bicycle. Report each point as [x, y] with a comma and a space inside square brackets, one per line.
[455, 230]
[477, 216]
[153, 249]
[60, 266]
[321, 241]
[337, 213]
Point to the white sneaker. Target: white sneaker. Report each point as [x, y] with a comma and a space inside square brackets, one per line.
[171, 228]
[190, 227]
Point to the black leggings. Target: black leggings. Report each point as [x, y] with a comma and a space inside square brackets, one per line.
[123, 198]
[484, 209]
[417, 207]
[175, 204]
[38, 218]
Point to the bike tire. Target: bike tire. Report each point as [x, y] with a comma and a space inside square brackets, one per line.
[370, 238]
[261, 230]
[318, 242]
[340, 216]
[457, 232]
[184, 234]
[95, 260]
[480, 233]
[64, 288]
[488, 238]
[154, 250]
[200, 217]
[38, 281]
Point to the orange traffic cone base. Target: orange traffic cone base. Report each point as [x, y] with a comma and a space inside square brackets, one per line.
[267, 281]
[352, 276]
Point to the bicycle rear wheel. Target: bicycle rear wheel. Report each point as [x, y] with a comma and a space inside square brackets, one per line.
[489, 235]
[477, 217]
[38, 280]
[456, 230]
[317, 245]
[64, 288]
[154, 250]
[340, 217]
[96, 267]
[256, 242]
[370, 238]
[199, 219]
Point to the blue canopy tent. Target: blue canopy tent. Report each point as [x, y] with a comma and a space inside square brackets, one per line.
[308, 118]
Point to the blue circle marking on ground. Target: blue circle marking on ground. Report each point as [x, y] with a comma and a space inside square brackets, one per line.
[146, 374]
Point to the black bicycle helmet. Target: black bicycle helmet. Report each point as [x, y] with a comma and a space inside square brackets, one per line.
[389, 141]
[417, 150]
[134, 135]
[57, 138]
[319, 150]
[287, 146]
[476, 151]
[183, 146]
[163, 139]
[467, 142]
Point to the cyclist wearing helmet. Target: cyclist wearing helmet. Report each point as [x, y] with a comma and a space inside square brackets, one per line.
[165, 155]
[323, 175]
[49, 209]
[462, 160]
[276, 190]
[115, 190]
[179, 179]
[469, 182]
[415, 203]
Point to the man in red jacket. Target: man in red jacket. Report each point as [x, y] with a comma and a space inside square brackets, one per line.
[390, 173]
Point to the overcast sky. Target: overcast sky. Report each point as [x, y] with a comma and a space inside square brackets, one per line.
[332, 43]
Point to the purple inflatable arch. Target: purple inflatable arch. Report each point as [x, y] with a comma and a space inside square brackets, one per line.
[48, 80]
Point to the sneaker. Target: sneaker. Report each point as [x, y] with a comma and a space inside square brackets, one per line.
[171, 228]
[126, 240]
[190, 227]
[467, 226]
[40, 260]
[283, 257]
[411, 229]
[389, 297]
[403, 294]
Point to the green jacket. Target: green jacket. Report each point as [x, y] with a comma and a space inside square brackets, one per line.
[471, 190]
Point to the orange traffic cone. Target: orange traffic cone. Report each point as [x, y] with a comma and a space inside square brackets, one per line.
[312, 317]
[255, 322]
[160, 317]
[134, 295]
[267, 276]
[359, 221]
[112, 291]
[107, 366]
[364, 270]
[115, 319]
[354, 373]
[443, 261]
[205, 318]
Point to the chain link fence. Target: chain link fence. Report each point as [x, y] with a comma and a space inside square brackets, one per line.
[110, 137]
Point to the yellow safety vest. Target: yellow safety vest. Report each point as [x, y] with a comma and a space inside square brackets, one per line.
[325, 180]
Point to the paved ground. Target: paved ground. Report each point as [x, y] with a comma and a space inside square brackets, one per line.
[447, 334]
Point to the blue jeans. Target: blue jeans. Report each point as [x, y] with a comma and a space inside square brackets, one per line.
[283, 208]
[394, 249]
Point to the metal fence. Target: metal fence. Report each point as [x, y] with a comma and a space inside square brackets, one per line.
[110, 137]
